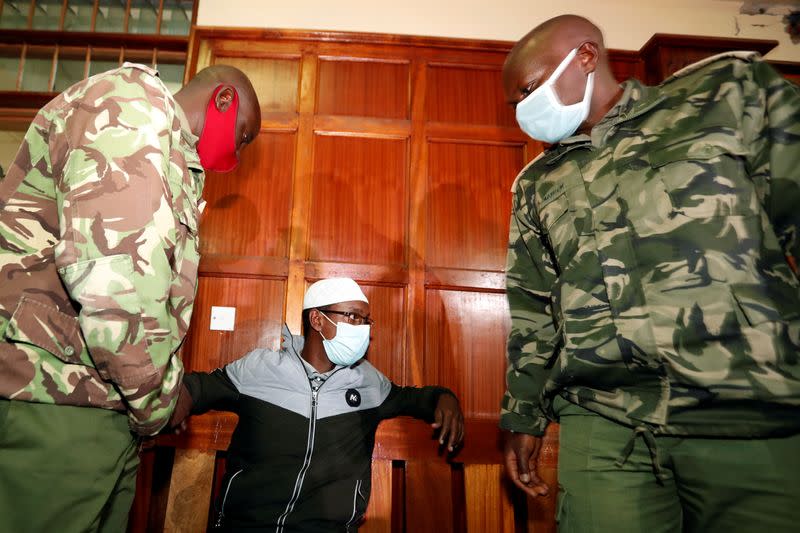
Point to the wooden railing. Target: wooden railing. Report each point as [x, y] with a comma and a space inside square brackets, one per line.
[180, 477]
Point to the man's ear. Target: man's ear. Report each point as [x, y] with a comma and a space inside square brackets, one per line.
[315, 319]
[224, 98]
[588, 55]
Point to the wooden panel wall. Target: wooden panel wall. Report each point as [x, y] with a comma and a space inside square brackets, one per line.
[389, 160]
[390, 163]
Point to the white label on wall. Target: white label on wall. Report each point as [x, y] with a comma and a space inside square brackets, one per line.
[222, 318]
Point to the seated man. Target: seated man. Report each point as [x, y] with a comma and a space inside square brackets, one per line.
[300, 456]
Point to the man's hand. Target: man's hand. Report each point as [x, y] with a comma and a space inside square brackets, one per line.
[183, 407]
[521, 452]
[449, 418]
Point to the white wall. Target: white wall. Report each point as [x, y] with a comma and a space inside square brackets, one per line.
[627, 24]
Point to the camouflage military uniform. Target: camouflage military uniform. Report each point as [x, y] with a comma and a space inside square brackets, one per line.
[99, 251]
[651, 267]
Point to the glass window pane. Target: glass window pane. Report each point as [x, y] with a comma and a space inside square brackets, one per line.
[15, 14]
[36, 70]
[143, 17]
[79, 15]
[110, 16]
[170, 70]
[177, 17]
[70, 68]
[103, 60]
[9, 67]
[47, 15]
[10, 142]
[144, 57]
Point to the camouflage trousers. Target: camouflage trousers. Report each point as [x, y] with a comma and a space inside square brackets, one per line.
[66, 469]
[612, 479]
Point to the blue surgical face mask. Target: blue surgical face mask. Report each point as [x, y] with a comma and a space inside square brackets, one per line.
[348, 345]
[542, 115]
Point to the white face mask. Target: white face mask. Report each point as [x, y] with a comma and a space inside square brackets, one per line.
[542, 115]
[348, 345]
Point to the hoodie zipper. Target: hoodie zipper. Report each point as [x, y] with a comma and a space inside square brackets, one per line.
[315, 385]
[356, 494]
[221, 515]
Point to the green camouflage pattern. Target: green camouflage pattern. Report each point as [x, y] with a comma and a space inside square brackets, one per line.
[99, 249]
[650, 272]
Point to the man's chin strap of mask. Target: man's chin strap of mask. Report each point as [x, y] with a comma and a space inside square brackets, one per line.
[217, 144]
[542, 115]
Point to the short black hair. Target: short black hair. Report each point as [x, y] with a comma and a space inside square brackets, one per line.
[306, 321]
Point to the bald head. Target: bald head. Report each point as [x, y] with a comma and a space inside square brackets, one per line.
[533, 59]
[555, 38]
[195, 96]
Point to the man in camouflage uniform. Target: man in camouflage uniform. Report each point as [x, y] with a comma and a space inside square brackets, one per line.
[98, 268]
[653, 290]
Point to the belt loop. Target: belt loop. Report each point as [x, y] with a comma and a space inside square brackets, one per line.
[652, 447]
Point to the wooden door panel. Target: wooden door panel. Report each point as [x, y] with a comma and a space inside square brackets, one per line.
[467, 94]
[248, 210]
[387, 345]
[469, 203]
[379, 512]
[259, 316]
[363, 87]
[488, 499]
[359, 200]
[465, 347]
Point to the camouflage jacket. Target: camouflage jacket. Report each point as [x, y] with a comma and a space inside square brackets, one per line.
[99, 249]
[650, 271]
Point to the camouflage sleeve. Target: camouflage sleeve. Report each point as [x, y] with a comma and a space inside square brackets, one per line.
[771, 129]
[114, 205]
[530, 277]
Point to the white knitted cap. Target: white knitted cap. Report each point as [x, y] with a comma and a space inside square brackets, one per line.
[333, 291]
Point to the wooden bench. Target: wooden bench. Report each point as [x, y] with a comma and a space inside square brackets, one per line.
[414, 488]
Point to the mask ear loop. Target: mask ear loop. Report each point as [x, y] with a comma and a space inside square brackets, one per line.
[329, 320]
[561, 67]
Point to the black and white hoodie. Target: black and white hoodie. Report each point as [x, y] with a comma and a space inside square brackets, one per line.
[300, 457]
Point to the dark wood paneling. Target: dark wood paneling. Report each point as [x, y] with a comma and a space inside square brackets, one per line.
[664, 54]
[388, 159]
[465, 347]
[361, 87]
[429, 499]
[259, 315]
[488, 503]
[379, 512]
[274, 79]
[469, 203]
[387, 343]
[247, 211]
[359, 200]
[626, 64]
[466, 94]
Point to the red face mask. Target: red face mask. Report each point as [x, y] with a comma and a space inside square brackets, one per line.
[217, 144]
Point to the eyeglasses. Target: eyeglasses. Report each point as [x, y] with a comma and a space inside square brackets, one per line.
[353, 318]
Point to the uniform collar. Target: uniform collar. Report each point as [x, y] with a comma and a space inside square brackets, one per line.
[294, 344]
[636, 100]
[186, 130]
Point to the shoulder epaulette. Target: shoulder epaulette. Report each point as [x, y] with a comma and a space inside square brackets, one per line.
[526, 167]
[149, 70]
[740, 55]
